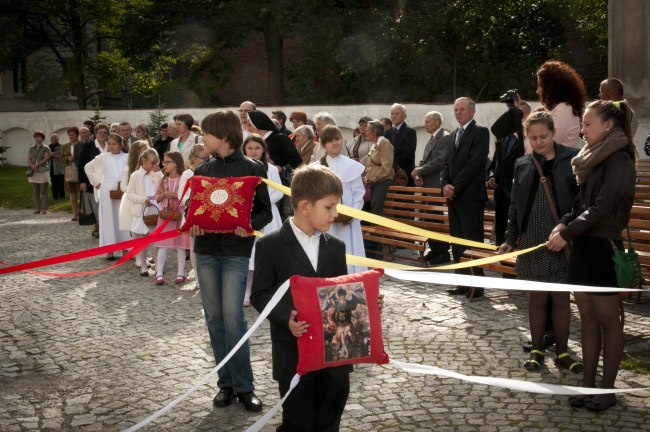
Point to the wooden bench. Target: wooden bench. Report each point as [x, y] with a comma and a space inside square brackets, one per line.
[416, 206]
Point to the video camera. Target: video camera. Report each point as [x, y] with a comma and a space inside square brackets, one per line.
[509, 96]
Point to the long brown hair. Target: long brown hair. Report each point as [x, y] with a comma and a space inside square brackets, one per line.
[559, 83]
[178, 159]
[134, 154]
[265, 156]
[621, 115]
[329, 133]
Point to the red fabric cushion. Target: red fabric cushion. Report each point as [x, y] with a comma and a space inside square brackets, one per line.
[219, 205]
[344, 317]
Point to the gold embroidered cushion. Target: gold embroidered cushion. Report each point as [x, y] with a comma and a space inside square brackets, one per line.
[219, 205]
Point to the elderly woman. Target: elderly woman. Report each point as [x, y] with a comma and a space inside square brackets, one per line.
[532, 216]
[379, 166]
[303, 138]
[604, 170]
[298, 118]
[69, 157]
[38, 171]
[321, 120]
[56, 168]
[561, 90]
[360, 146]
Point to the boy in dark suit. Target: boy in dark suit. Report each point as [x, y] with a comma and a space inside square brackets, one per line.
[303, 247]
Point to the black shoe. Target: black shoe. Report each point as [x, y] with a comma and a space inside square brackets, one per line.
[478, 293]
[549, 341]
[144, 274]
[250, 401]
[438, 259]
[579, 401]
[459, 290]
[223, 398]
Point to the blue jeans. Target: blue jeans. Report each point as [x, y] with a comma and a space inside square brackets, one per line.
[222, 283]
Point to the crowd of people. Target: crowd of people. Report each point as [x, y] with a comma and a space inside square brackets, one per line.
[546, 190]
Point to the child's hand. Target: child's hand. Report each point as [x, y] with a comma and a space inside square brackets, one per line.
[195, 231]
[297, 327]
[241, 232]
[380, 302]
[146, 202]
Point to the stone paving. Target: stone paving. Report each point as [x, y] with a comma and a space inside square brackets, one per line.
[100, 353]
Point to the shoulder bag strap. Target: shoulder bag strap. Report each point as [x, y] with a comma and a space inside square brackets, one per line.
[549, 198]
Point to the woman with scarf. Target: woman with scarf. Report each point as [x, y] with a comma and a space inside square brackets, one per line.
[604, 169]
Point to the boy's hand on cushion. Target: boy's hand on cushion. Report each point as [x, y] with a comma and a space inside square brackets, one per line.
[297, 327]
[195, 231]
[241, 232]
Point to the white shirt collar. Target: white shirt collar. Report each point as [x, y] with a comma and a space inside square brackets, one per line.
[466, 124]
[310, 244]
[266, 135]
[102, 150]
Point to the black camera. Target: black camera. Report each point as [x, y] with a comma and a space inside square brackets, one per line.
[509, 96]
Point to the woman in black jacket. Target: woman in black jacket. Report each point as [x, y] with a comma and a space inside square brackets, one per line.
[605, 172]
[530, 220]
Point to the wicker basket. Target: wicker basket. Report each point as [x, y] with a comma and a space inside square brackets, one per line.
[150, 220]
[166, 213]
[116, 194]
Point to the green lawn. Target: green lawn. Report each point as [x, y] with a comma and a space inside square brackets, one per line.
[16, 192]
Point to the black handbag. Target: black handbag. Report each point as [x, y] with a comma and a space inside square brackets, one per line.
[88, 219]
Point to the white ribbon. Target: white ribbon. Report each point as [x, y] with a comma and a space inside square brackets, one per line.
[495, 283]
[266, 417]
[514, 384]
[428, 277]
[269, 307]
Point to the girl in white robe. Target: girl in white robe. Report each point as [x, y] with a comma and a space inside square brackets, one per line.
[104, 173]
[350, 172]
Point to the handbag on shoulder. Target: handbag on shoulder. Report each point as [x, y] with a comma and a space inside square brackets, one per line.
[626, 263]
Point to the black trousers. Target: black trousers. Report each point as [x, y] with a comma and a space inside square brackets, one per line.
[58, 186]
[466, 221]
[317, 402]
[501, 207]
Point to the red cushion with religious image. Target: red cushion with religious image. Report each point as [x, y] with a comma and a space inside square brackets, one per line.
[219, 205]
[344, 318]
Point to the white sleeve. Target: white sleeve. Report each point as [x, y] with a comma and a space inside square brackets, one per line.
[358, 191]
[94, 170]
[185, 177]
[274, 175]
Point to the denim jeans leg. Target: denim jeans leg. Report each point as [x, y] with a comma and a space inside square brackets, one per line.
[222, 283]
[234, 273]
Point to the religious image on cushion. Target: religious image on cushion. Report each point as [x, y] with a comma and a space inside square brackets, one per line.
[219, 205]
[344, 318]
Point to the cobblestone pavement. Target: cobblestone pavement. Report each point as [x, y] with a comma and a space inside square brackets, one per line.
[105, 351]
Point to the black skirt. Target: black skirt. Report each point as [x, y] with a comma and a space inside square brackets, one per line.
[591, 263]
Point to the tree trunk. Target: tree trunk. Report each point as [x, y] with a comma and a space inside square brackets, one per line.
[273, 41]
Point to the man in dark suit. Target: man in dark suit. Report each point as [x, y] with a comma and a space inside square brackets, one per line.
[428, 174]
[404, 140]
[463, 182]
[508, 130]
[319, 399]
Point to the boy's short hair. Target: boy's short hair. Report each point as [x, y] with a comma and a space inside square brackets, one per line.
[224, 125]
[312, 183]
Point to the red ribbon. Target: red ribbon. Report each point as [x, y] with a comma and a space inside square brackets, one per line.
[136, 246]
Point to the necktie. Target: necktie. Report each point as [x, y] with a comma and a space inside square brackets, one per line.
[459, 135]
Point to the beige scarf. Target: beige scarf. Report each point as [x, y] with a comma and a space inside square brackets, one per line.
[592, 155]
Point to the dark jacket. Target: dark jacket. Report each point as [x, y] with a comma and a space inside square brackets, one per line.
[404, 142]
[565, 187]
[162, 146]
[435, 155]
[605, 200]
[465, 165]
[272, 268]
[88, 152]
[235, 165]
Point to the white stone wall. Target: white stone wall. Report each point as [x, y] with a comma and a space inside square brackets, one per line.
[17, 127]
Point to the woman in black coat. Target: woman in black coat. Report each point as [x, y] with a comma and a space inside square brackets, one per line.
[530, 221]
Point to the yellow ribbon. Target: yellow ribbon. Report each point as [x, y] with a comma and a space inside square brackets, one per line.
[389, 223]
